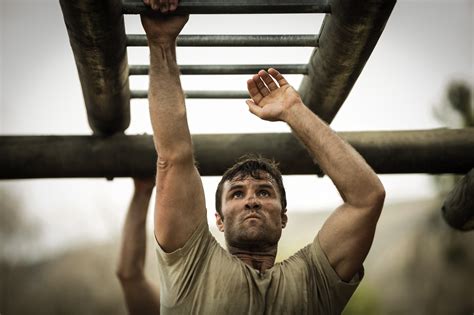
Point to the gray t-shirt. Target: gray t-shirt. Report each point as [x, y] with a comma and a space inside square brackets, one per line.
[203, 278]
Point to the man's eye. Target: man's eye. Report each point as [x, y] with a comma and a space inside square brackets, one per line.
[237, 194]
[263, 193]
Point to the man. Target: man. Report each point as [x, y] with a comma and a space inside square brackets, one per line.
[197, 276]
[141, 297]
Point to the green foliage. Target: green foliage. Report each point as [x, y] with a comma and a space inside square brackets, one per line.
[364, 302]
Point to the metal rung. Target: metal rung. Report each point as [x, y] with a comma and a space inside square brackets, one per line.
[235, 6]
[226, 69]
[198, 94]
[234, 40]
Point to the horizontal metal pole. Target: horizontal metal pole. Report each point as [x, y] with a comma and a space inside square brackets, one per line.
[421, 151]
[226, 69]
[235, 7]
[96, 32]
[138, 40]
[347, 38]
[198, 94]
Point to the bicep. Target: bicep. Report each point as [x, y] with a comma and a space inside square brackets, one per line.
[141, 297]
[180, 204]
[346, 238]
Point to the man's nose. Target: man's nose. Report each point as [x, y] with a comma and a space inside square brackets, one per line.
[252, 203]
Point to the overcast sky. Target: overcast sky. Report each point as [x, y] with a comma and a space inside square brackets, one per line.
[425, 45]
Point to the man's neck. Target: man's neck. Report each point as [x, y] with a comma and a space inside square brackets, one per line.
[259, 260]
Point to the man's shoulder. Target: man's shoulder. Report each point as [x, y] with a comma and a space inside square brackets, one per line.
[303, 254]
[200, 237]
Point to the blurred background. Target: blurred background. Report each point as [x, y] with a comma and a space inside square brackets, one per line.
[59, 238]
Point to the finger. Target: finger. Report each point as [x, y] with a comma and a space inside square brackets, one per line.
[260, 85]
[254, 91]
[278, 77]
[146, 2]
[268, 80]
[154, 4]
[164, 6]
[173, 5]
[254, 108]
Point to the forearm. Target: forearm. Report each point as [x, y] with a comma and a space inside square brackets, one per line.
[357, 183]
[347, 234]
[166, 100]
[133, 249]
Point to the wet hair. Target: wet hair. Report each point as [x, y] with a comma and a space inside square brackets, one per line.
[256, 167]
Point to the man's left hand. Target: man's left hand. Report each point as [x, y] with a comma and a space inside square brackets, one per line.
[272, 96]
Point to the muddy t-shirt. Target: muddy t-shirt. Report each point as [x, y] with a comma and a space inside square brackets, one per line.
[203, 278]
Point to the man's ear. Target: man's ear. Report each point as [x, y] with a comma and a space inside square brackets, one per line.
[284, 219]
[219, 222]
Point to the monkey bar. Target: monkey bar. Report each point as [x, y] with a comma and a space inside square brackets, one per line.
[226, 69]
[347, 38]
[97, 35]
[96, 31]
[138, 40]
[388, 152]
[199, 94]
[236, 7]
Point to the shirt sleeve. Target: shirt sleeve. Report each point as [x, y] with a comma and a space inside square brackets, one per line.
[178, 269]
[333, 292]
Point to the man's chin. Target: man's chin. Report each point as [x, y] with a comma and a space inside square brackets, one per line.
[251, 233]
[254, 235]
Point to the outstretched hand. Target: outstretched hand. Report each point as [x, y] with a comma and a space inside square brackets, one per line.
[164, 6]
[163, 28]
[272, 96]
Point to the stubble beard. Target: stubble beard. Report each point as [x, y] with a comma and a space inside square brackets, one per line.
[251, 235]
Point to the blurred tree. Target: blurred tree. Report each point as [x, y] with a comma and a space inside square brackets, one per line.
[441, 260]
[455, 111]
[14, 229]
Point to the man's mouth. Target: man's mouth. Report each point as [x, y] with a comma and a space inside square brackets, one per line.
[252, 216]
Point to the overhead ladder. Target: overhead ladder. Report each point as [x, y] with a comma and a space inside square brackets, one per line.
[346, 39]
[348, 35]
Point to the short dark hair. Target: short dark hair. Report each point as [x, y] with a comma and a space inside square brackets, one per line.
[252, 165]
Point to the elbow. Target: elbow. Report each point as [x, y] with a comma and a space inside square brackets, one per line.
[183, 155]
[368, 195]
[376, 198]
[128, 276]
[380, 198]
[371, 200]
[180, 155]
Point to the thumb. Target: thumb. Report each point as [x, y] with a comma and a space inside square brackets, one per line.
[254, 108]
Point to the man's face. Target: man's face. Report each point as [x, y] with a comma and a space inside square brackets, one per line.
[252, 212]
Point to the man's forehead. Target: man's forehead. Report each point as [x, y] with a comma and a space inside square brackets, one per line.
[263, 178]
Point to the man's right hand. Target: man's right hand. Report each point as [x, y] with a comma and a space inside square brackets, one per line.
[163, 28]
[164, 6]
